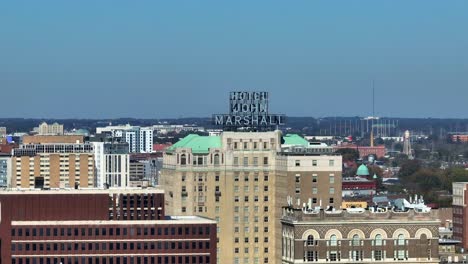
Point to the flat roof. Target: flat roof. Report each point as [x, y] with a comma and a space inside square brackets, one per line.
[81, 191]
[169, 220]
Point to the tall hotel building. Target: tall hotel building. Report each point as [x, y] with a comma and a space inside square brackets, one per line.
[53, 162]
[242, 180]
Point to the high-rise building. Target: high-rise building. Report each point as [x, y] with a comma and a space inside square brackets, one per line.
[139, 139]
[242, 179]
[53, 165]
[52, 129]
[100, 226]
[5, 170]
[112, 164]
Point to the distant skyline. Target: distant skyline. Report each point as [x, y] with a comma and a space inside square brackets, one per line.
[171, 59]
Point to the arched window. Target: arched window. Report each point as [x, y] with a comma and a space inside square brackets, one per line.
[183, 159]
[378, 240]
[401, 240]
[333, 241]
[216, 159]
[356, 240]
[310, 240]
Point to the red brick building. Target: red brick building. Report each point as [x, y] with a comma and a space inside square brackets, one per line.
[379, 151]
[100, 226]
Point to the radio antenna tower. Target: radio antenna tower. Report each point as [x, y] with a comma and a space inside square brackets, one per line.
[407, 145]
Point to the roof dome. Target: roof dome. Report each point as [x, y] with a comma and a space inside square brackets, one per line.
[362, 171]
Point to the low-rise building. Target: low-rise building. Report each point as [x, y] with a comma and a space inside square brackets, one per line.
[358, 235]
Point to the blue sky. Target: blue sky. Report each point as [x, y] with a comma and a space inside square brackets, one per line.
[156, 59]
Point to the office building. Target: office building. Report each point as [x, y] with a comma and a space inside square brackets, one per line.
[53, 165]
[242, 179]
[357, 235]
[100, 226]
[112, 161]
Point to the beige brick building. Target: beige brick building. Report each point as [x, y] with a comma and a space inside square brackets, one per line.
[53, 166]
[242, 180]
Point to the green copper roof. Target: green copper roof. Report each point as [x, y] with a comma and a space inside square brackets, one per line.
[362, 171]
[198, 144]
[294, 139]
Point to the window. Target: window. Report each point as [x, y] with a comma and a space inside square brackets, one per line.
[332, 190]
[265, 160]
[331, 200]
[314, 163]
[332, 179]
[334, 256]
[331, 163]
[400, 254]
[297, 163]
[310, 240]
[356, 255]
[183, 159]
[216, 159]
[265, 178]
[255, 161]
[378, 254]
[246, 145]
[216, 177]
[333, 241]
[246, 161]
[312, 256]
[298, 178]
[255, 145]
[236, 161]
[314, 190]
[356, 241]
[378, 240]
[401, 240]
[314, 178]
[235, 145]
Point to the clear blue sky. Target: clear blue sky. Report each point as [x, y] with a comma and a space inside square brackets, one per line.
[156, 59]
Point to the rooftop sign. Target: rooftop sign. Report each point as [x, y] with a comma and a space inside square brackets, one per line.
[248, 110]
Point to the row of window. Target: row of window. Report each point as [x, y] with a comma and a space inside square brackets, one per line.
[104, 246]
[115, 260]
[331, 178]
[245, 161]
[356, 255]
[297, 163]
[246, 198]
[145, 231]
[246, 240]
